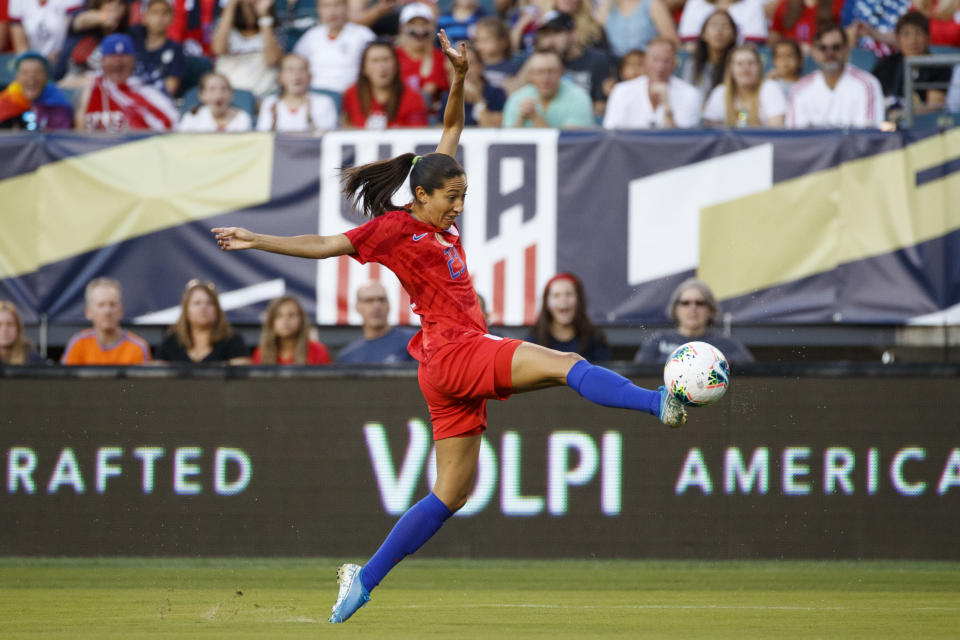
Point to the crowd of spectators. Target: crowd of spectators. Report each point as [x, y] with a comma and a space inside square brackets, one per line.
[203, 334]
[288, 65]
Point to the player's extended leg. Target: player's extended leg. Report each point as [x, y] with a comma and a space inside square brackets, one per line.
[536, 367]
[456, 471]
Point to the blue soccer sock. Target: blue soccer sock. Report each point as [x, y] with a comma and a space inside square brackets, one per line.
[610, 389]
[414, 528]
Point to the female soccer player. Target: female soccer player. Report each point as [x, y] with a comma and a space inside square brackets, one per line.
[461, 365]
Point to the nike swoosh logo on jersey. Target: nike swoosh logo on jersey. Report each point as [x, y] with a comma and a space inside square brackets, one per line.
[417, 237]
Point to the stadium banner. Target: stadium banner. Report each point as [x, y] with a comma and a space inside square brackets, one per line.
[210, 465]
[819, 226]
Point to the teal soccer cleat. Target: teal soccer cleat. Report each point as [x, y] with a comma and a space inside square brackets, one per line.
[672, 412]
[352, 595]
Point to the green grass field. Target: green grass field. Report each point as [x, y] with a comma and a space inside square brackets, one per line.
[291, 598]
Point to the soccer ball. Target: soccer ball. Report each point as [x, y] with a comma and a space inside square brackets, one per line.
[696, 374]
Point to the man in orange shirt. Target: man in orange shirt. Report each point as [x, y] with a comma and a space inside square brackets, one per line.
[106, 342]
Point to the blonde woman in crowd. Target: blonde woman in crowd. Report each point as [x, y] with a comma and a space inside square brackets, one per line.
[285, 336]
[15, 348]
[202, 333]
[215, 111]
[745, 99]
[296, 108]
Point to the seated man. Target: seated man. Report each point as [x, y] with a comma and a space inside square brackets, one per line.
[380, 343]
[549, 100]
[839, 94]
[118, 100]
[333, 47]
[106, 342]
[655, 100]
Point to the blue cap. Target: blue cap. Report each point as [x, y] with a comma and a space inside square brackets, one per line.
[117, 44]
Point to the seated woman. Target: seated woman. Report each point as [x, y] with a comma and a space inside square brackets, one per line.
[745, 99]
[215, 112]
[246, 45]
[419, 61]
[380, 99]
[563, 323]
[483, 102]
[202, 333]
[31, 102]
[285, 336]
[704, 69]
[694, 309]
[295, 108]
[15, 348]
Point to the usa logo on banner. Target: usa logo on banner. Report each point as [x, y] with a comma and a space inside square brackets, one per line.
[508, 225]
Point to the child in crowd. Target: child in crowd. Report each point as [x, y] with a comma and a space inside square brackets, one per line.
[296, 108]
[285, 336]
[160, 60]
[460, 22]
[215, 112]
[787, 64]
[492, 42]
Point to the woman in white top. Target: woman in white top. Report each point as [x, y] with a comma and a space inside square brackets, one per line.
[295, 108]
[745, 99]
[215, 112]
[246, 45]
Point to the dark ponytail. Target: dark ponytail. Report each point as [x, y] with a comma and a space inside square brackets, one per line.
[370, 187]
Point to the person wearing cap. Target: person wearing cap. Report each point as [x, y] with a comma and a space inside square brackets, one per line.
[119, 101]
[79, 60]
[421, 63]
[550, 100]
[656, 100]
[32, 102]
[588, 67]
[333, 47]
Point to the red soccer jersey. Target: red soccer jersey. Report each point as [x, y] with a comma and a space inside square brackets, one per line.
[431, 266]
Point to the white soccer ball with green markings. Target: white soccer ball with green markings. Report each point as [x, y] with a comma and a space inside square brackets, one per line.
[696, 374]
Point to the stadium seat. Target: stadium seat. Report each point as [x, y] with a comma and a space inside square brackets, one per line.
[863, 59]
[936, 120]
[766, 57]
[809, 65]
[295, 19]
[337, 98]
[242, 99]
[7, 71]
[944, 48]
[196, 67]
[682, 56]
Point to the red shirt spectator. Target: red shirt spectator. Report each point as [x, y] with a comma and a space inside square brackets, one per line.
[411, 111]
[316, 354]
[805, 26]
[944, 25]
[410, 69]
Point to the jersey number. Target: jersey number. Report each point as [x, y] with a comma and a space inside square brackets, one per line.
[454, 263]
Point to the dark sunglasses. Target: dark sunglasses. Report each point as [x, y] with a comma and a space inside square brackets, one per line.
[687, 303]
[414, 33]
[835, 48]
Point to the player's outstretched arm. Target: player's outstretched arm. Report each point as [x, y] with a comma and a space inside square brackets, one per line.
[453, 115]
[308, 246]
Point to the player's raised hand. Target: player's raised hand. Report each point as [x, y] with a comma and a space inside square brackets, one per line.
[457, 57]
[233, 238]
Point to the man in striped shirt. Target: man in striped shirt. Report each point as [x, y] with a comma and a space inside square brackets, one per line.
[839, 94]
[106, 342]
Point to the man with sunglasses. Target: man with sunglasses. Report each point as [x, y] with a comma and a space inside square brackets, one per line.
[839, 94]
[694, 309]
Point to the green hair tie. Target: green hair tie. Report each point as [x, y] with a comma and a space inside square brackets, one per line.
[415, 160]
